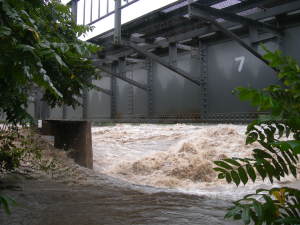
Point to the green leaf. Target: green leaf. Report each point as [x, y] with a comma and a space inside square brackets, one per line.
[251, 172]
[290, 220]
[283, 164]
[25, 48]
[235, 177]
[270, 170]
[233, 212]
[221, 176]
[232, 162]
[246, 215]
[252, 137]
[220, 170]
[5, 202]
[295, 146]
[258, 210]
[223, 164]
[243, 175]
[293, 170]
[280, 130]
[260, 169]
[4, 31]
[261, 154]
[60, 61]
[228, 178]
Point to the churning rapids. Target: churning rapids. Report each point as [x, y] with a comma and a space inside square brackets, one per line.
[177, 157]
[143, 175]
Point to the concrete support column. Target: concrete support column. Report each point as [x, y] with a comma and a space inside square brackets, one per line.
[75, 135]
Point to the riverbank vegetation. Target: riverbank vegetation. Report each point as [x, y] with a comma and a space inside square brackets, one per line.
[40, 53]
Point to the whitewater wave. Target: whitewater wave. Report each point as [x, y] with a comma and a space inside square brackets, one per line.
[170, 156]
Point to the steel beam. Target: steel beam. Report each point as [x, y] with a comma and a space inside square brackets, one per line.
[150, 96]
[253, 36]
[117, 30]
[99, 9]
[74, 10]
[85, 105]
[130, 94]
[173, 54]
[288, 7]
[232, 17]
[84, 6]
[203, 76]
[103, 90]
[117, 75]
[113, 87]
[64, 112]
[130, 90]
[134, 60]
[186, 47]
[205, 16]
[136, 66]
[162, 62]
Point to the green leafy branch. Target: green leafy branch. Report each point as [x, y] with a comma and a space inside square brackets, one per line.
[6, 203]
[275, 206]
[276, 160]
[278, 134]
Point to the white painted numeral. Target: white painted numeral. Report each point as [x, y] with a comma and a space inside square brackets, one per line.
[240, 59]
[40, 123]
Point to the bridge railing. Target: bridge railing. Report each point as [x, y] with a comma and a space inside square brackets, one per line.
[90, 12]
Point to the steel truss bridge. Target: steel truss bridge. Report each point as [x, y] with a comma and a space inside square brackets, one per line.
[181, 62]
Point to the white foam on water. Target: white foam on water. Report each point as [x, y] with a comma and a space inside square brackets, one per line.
[173, 156]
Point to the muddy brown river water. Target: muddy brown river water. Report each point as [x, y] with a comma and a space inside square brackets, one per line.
[144, 174]
[111, 202]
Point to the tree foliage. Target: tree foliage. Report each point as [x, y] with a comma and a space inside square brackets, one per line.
[40, 49]
[277, 157]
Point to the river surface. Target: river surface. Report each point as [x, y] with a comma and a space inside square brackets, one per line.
[109, 203]
[143, 174]
[178, 156]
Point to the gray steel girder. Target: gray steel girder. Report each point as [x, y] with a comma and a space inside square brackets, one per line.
[195, 12]
[162, 62]
[286, 8]
[105, 91]
[233, 17]
[134, 83]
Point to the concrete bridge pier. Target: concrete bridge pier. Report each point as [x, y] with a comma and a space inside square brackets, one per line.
[75, 135]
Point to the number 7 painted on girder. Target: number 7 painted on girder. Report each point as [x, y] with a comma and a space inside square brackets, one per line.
[240, 59]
